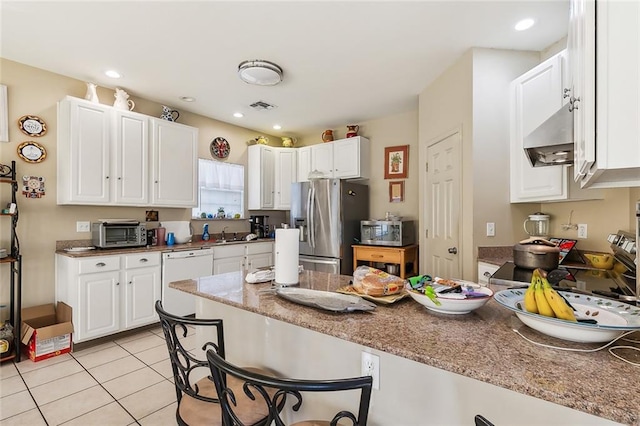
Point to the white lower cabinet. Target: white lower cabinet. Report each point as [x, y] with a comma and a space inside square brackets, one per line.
[109, 294]
[237, 257]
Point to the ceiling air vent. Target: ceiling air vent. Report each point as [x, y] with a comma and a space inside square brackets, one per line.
[262, 105]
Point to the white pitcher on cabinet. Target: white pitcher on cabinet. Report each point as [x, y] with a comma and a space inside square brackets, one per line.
[123, 101]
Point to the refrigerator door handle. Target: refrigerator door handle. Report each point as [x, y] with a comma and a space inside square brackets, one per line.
[309, 217]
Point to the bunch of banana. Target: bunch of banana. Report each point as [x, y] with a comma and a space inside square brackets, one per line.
[541, 298]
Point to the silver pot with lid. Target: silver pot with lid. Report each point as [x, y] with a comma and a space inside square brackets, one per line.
[535, 253]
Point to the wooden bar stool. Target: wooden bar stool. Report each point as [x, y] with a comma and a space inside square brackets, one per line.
[198, 402]
[257, 387]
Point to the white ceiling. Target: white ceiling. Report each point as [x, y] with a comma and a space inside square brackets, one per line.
[343, 61]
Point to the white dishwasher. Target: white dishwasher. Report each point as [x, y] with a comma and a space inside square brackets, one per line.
[183, 265]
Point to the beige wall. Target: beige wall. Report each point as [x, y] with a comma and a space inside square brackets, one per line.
[41, 222]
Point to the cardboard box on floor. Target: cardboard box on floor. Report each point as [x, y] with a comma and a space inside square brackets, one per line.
[46, 330]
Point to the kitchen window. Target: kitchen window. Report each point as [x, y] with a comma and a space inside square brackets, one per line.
[220, 186]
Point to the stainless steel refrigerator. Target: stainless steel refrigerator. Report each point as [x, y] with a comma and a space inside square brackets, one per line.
[328, 213]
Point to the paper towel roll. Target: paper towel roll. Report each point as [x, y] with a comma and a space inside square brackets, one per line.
[286, 261]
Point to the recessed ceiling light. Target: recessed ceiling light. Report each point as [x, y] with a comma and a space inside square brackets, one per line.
[525, 24]
[112, 74]
[187, 99]
[277, 126]
[238, 114]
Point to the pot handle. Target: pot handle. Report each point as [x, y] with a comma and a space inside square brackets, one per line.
[532, 240]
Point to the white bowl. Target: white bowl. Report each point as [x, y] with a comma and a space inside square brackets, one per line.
[453, 306]
[614, 317]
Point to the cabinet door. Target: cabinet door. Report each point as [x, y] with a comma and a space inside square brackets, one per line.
[131, 145]
[346, 158]
[261, 175]
[228, 264]
[142, 289]
[174, 163]
[304, 163]
[286, 174]
[99, 310]
[536, 96]
[255, 261]
[322, 158]
[83, 152]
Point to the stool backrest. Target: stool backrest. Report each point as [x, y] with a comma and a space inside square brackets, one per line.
[183, 363]
[261, 388]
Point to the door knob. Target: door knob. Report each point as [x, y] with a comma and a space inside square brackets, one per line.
[453, 250]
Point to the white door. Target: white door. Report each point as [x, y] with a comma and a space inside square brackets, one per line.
[442, 207]
[89, 154]
[322, 158]
[228, 264]
[304, 163]
[142, 289]
[286, 174]
[175, 164]
[131, 142]
[99, 305]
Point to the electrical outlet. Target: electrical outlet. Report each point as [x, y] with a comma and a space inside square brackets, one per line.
[371, 367]
[491, 229]
[83, 227]
[582, 230]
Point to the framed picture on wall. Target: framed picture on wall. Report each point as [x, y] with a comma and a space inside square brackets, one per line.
[396, 162]
[4, 114]
[396, 191]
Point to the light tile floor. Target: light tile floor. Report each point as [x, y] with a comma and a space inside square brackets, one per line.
[125, 381]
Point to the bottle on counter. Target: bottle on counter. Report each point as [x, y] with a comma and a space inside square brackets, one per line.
[160, 233]
[205, 232]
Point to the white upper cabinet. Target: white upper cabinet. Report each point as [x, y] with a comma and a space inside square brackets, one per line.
[342, 159]
[351, 158]
[605, 68]
[536, 96]
[271, 173]
[174, 153]
[131, 146]
[108, 156]
[84, 152]
[304, 163]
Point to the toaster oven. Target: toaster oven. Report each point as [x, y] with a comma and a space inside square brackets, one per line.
[387, 232]
[117, 233]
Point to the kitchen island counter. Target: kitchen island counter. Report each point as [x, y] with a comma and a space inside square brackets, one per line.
[481, 345]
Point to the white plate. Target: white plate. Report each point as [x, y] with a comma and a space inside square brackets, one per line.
[613, 317]
[450, 305]
[78, 249]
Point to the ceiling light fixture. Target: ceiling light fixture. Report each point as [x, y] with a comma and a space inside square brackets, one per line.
[525, 24]
[112, 74]
[262, 73]
[238, 114]
[187, 99]
[277, 126]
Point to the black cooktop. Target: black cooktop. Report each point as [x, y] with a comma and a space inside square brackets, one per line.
[594, 281]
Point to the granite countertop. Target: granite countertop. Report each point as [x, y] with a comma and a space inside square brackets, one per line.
[481, 345]
[198, 245]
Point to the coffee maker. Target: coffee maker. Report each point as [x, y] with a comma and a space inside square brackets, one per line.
[259, 226]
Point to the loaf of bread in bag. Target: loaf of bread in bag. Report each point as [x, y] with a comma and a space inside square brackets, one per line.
[374, 282]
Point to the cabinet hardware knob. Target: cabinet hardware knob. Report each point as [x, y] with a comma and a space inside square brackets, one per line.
[566, 93]
[107, 177]
[117, 283]
[130, 282]
[487, 274]
[156, 182]
[119, 178]
[144, 259]
[377, 256]
[452, 250]
[101, 264]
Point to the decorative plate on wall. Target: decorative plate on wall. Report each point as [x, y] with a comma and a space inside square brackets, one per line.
[32, 152]
[32, 125]
[220, 148]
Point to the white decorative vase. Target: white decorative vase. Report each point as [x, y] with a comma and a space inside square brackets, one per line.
[123, 101]
[92, 95]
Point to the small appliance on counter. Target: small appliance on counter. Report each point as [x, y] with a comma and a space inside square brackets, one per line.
[387, 232]
[118, 233]
[537, 225]
[259, 226]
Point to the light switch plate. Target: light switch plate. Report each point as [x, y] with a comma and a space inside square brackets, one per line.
[491, 229]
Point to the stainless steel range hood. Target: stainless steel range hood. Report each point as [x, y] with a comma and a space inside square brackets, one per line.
[551, 143]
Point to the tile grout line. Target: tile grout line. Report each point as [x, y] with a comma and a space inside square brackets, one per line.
[32, 398]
